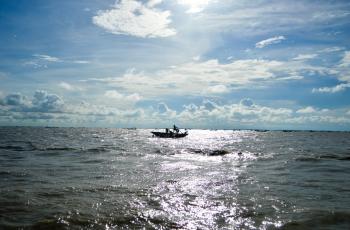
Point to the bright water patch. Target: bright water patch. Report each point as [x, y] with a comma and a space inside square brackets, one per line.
[82, 178]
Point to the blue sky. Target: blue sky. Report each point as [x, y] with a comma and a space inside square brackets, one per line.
[197, 63]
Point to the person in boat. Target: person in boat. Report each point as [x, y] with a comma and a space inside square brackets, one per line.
[167, 130]
[176, 129]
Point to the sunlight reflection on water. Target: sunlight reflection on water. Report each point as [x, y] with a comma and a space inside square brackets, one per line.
[202, 193]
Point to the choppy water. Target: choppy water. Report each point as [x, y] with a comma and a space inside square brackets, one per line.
[84, 178]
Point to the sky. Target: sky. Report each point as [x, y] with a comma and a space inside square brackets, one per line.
[212, 64]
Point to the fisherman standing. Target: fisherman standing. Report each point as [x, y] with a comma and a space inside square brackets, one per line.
[176, 129]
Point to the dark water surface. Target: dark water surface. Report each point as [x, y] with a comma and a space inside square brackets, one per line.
[85, 178]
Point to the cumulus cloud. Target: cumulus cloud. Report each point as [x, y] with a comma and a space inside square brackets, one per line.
[269, 41]
[243, 113]
[255, 115]
[15, 99]
[44, 107]
[40, 102]
[46, 102]
[130, 17]
[302, 57]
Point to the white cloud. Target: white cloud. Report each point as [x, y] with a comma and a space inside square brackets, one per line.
[295, 77]
[217, 89]
[249, 114]
[46, 102]
[65, 86]
[269, 41]
[81, 62]
[202, 75]
[43, 60]
[306, 110]
[244, 113]
[69, 87]
[130, 17]
[331, 49]
[114, 94]
[345, 62]
[265, 16]
[335, 89]
[302, 57]
[47, 58]
[195, 6]
[341, 72]
[209, 77]
[41, 102]
[43, 107]
[16, 99]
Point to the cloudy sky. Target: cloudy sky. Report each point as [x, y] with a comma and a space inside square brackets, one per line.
[197, 63]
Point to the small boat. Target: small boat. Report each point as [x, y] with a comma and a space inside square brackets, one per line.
[174, 133]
